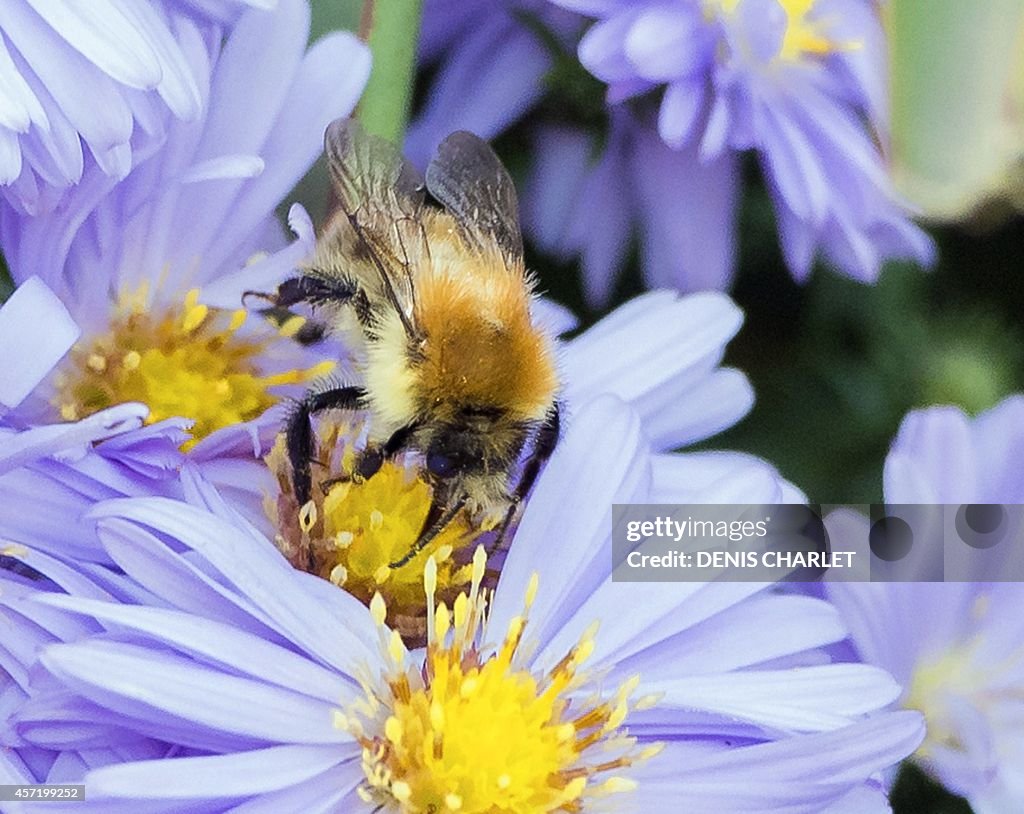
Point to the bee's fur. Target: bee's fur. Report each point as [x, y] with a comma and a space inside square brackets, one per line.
[435, 301]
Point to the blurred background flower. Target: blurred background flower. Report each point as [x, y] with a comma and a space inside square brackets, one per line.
[802, 85]
[90, 87]
[956, 647]
[958, 110]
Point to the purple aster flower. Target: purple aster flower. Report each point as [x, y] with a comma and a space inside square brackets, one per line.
[52, 474]
[793, 80]
[153, 267]
[490, 67]
[957, 648]
[28, 628]
[270, 690]
[88, 88]
[587, 202]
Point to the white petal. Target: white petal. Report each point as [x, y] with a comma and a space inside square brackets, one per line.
[36, 331]
[106, 37]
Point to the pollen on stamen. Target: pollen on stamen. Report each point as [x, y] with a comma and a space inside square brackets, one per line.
[474, 730]
[189, 360]
[359, 527]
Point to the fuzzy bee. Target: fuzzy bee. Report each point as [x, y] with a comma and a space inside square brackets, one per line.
[426, 283]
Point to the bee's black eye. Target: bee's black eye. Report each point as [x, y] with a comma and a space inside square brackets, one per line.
[440, 464]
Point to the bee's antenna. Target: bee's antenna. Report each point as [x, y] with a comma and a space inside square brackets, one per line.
[261, 294]
[432, 527]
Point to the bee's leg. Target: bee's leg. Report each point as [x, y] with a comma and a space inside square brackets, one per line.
[543, 446]
[314, 289]
[439, 516]
[372, 457]
[299, 432]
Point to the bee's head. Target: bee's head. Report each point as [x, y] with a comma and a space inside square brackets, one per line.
[471, 458]
[454, 451]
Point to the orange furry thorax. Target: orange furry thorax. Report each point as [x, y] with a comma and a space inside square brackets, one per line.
[480, 348]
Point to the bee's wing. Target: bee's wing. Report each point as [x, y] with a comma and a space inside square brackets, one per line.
[382, 194]
[474, 186]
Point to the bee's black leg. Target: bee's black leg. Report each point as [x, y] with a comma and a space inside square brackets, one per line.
[439, 516]
[543, 446]
[312, 288]
[299, 432]
[372, 458]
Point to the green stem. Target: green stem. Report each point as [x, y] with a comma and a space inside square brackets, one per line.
[391, 28]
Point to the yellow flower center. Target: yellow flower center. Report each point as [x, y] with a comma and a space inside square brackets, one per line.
[945, 681]
[187, 361]
[473, 731]
[352, 530]
[936, 682]
[803, 35]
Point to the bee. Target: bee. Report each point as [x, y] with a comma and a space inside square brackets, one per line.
[425, 281]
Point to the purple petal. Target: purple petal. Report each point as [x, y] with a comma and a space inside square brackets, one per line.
[331, 792]
[721, 637]
[36, 331]
[932, 458]
[809, 699]
[328, 84]
[19, 107]
[669, 42]
[234, 775]
[106, 37]
[502, 65]
[561, 161]
[221, 645]
[52, 439]
[688, 222]
[148, 684]
[602, 49]
[718, 477]
[580, 476]
[257, 571]
[551, 317]
[177, 85]
[89, 98]
[680, 111]
[656, 351]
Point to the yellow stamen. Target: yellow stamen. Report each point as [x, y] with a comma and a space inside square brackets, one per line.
[189, 362]
[803, 36]
[475, 733]
[364, 526]
[961, 674]
[805, 33]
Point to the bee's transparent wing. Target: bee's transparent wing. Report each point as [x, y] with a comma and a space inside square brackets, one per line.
[382, 194]
[474, 186]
